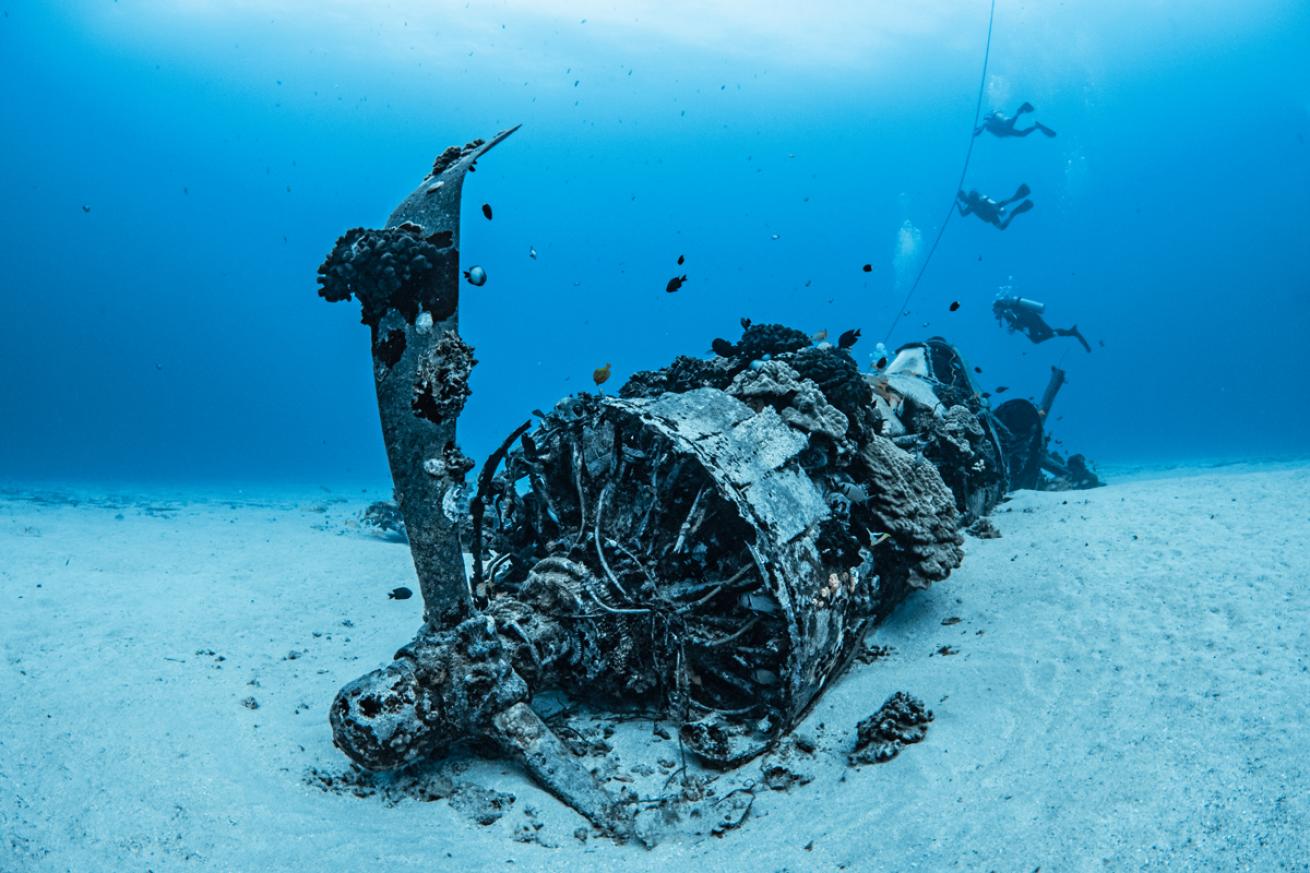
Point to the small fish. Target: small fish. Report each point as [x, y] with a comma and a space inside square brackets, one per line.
[745, 323]
[868, 268]
[977, 369]
[986, 394]
[723, 348]
[1001, 389]
[675, 283]
[486, 211]
[401, 593]
[86, 208]
[601, 375]
[476, 276]
[682, 259]
[776, 236]
[532, 253]
[882, 362]
[955, 305]
[848, 338]
[819, 336]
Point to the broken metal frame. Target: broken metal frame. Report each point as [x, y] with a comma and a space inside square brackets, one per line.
[716, 552]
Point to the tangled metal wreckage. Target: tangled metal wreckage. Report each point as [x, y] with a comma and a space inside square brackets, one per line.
[711, 544]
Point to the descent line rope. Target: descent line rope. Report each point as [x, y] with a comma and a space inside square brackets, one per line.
[950, 212]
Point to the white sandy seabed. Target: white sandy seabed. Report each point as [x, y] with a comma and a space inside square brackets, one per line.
[1129, 691]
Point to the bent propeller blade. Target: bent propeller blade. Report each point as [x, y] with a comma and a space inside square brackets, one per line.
[406, 277]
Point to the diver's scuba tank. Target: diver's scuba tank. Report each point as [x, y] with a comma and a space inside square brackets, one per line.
[1020, 303]
[1007, 299]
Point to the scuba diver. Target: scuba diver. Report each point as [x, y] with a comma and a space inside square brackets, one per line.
[998, 124]
[1025, 316]
[993, 211]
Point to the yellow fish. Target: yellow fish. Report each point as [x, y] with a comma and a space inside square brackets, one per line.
[601, 375]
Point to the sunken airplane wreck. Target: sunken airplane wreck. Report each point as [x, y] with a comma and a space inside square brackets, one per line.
[712, 543]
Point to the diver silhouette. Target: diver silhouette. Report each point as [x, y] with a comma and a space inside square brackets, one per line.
[997, 123]
[994, 212]
[1025, 316]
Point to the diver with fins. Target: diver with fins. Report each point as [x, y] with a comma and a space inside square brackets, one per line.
[1025, 316]
[994, 212]
[997, 123]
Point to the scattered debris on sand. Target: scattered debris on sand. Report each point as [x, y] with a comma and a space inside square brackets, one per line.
[383, 519]
[780, 772]
[732, 810]
[424, 783]
[483, 805]
[901, 721]
[873, 652]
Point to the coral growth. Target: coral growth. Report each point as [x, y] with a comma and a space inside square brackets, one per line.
[901, 721]
[684, 374]
[967, 457]
[873, 485]
[909, 501]
[759, 340]
[451, 154]
[396, 268]
[800, 402]
[441, 386]
[838, 377]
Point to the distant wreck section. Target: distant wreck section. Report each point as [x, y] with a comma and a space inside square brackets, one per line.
[711, 544]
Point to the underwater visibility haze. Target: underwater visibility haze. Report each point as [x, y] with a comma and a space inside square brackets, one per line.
[845, 435]
[174, 174]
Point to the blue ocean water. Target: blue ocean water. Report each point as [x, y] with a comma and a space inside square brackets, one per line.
[173, 174]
